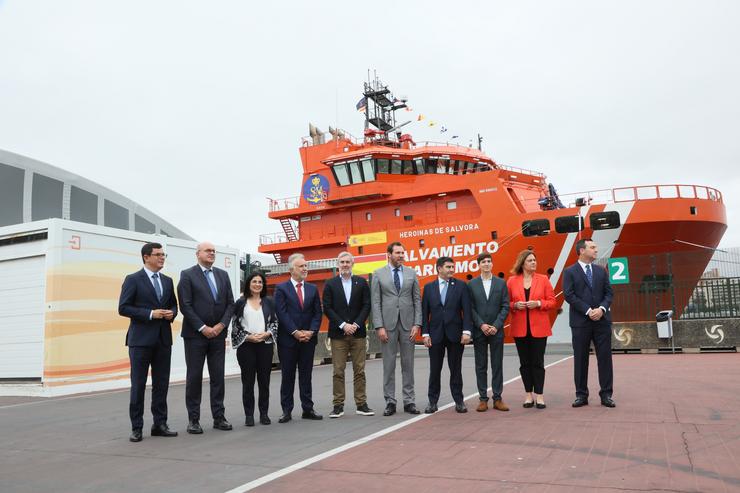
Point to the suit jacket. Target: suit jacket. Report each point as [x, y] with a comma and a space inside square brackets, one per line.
[492, 310]
[292, 317]
[388, 305]
[539, 319]
[337, 310]
[137, 301]
[449, 320]
[581, 297]
[197, 303]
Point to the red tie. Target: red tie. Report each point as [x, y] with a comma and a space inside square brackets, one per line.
[300, 293]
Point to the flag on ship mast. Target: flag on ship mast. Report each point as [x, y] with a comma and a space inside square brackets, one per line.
[361, 105]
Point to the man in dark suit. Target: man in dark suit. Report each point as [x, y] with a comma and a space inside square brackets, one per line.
[587, 290]
[347, 306]
[148, 299]
[489, 300]
[446, 326]
[298, 308]
[207, 304]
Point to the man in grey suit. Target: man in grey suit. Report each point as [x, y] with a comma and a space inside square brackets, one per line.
[490, 302]
[396, 312]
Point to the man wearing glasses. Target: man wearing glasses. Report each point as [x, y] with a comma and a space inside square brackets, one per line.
[148, 299]
[207, 304]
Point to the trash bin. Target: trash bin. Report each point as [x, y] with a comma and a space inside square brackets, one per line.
[665, 324]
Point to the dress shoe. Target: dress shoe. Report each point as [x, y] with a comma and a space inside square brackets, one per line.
[135, 435]
[430, 409]
[411, 409]
[608, 402]
[194, 427]
[528, 404]
[163, 431]
[482, 406]
[540, 405]
[580, 402]
[222, 424]
[311, 414]
[265, 420]
[499, 405]
[285, 418]
[249, 421]
[390, 410]
[460, 407]
[363, 410]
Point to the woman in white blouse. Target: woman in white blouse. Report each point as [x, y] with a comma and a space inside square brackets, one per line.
[253, 333]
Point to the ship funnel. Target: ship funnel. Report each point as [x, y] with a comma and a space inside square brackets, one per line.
[336, 133]
[317, 136]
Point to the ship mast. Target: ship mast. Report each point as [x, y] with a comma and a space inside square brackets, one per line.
[380, 113]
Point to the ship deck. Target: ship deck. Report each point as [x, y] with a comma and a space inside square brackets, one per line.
[676, 427]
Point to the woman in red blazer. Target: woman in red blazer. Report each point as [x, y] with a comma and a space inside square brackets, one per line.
[530, 297]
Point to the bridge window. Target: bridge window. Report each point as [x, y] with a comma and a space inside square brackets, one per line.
[419, 165]
[536, 227]
[396, 166]
[354, 169]
[341, 174]
[408, 167]
[368, 170]
[569, 224]
[431, 165]
[383, 166]
[604, 220]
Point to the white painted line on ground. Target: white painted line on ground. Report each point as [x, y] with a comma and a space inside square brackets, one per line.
[360, 441]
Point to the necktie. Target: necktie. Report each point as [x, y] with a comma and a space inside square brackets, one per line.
[443, 294]
[397, 280]
[299, 292]
[211, 284]
[589, 276]
[157, 289]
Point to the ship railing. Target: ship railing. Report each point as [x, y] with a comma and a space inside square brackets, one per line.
[284, 203]
[522, 171]
[644, 192]
[324, 137]
[273, 238]
[328, 263]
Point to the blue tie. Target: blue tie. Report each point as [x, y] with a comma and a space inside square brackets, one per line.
[443, 294]
[157, 289]
[589, 276]
[211, 285]
[397, 280]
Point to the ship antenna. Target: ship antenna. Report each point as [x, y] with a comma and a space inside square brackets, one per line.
[480, 143]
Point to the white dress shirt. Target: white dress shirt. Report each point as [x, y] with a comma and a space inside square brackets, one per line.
[149, 274]
[583, 266]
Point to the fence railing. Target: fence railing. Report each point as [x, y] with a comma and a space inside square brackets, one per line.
[709, 298]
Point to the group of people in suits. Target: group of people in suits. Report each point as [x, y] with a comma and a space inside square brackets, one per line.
[449, 315]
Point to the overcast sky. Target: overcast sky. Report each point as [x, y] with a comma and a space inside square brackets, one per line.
[196, 109]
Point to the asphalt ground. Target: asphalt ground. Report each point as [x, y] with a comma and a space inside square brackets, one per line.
[80, 443]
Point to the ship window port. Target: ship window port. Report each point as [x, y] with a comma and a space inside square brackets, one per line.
[571, 224]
